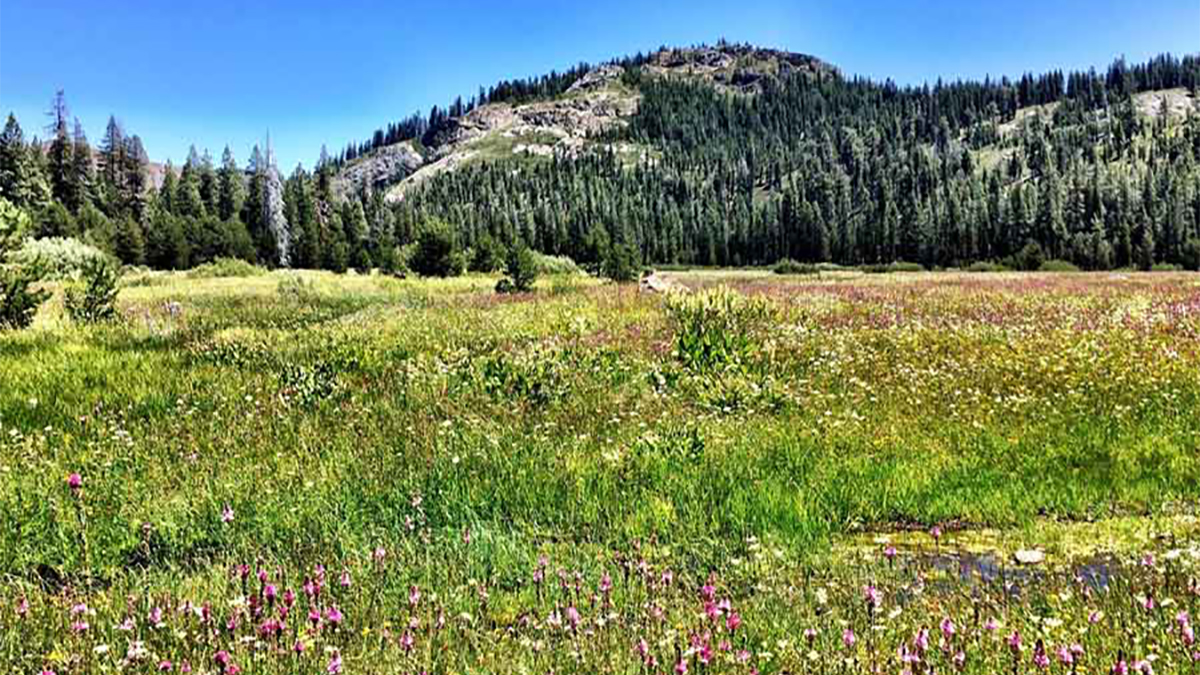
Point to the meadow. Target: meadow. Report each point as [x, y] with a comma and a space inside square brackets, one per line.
[301, 472]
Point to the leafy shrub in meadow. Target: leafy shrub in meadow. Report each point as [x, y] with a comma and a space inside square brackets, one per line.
[555, 264]
[487, 256]
[522, 271]
[1058, 266]
[93, 297]
[20, 295]
[1028, 259]
[982, 267]
[59, 258]
[436, 253]
[718, 328]
[622, 263]
[1165, 267]
[296, 287]
[899, 266]
[789, 266]
[226, 267]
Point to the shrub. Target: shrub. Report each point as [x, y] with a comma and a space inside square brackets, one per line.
[93, 297]
[487, 256]
[622, 263]
[902, 266]
[1191, 254]
[522, 271]
[1028, 258]
[717, 328]
[436, 253]
[1058, 266]
[14, 226]
[1165, 267]
[19, 295]
[789, 266]
[226, 267]
[555, 264]
[982, 266]
[57, 259]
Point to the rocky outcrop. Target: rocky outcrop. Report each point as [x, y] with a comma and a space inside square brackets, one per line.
[381, 168]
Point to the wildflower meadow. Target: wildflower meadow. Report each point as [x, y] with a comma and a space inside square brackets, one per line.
[837, 473]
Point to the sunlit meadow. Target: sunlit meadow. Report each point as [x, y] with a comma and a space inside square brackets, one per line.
[309, 473]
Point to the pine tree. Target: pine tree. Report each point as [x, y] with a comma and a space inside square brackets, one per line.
[16, 167]
[231, 192]
[112, 167]
[82, 178]
[60, 153]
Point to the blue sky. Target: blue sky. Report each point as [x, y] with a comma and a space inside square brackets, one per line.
[224, 71]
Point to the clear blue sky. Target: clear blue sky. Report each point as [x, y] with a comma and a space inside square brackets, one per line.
[224, 71]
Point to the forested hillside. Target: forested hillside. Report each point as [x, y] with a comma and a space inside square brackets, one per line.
[728, 155]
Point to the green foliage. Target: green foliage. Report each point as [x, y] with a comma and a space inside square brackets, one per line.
[1191, 254]
[550, 265]
[20, 295]
[58, 259]
[1029, 258]
[93, 298]
[983, 266]
[718, 329]
[622, 263]
[1058, 266]
[437, 253]
[487, 256]
[14, 226]
[226, 267]
[522, 269]
[892, 268]
[789, 266]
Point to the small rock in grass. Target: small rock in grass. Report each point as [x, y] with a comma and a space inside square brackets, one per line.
[1030, 557]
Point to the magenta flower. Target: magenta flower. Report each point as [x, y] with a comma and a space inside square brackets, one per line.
[1014, 641]
[960, 660]
[380, 554]
[414, 595]
[227, 514]
[606, 583]
[936, 532]
[810, 634]
[573, 617]
[889, 553]
[269, 593]
[75, 482]
[681, 668]
[871, 595]
[733, 621]
[335, 665]
[1065, 656]
[848, 639]
[22, 608]
[406, 641]
[334, 616]
[164, 666]
[1120, 668]
[948, 628]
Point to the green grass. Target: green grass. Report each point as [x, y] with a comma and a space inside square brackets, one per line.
[363, 411]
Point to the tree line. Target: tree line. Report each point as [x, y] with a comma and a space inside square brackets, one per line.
[812, 167]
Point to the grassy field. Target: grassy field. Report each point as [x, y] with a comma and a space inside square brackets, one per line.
[301, 473]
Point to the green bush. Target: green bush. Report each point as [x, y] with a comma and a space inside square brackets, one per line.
[890, 268]
[226, 267]
[1028, 259]
[57, 258]
[522, 271]
[622, 263]
[1058, 266]
[19, 295]
[555, 264]
[1166, 267]
[789, 266]
[1191, 254]
[718, 328]
[982, 266]
[487, 256]
[436, 253]
[93, 298]
[14, 226]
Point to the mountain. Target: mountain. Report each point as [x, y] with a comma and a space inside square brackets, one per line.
[734, 155]
[595, 103]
